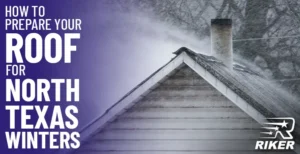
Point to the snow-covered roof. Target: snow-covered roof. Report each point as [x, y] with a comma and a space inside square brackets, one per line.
[266, 97]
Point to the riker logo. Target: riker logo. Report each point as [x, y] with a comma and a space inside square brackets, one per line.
[278, 128]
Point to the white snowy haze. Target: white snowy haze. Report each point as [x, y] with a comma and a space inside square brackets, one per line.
[121, 50]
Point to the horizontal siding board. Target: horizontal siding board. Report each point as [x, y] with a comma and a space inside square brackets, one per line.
[185, 102]
[185, 113]
[183, 124]
[193, 76]
[185, 93]
[197, 98]
[171, 145]
[178, 134]
[185, 82]
[162, 87]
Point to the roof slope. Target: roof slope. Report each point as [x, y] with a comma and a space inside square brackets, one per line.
[261, 94]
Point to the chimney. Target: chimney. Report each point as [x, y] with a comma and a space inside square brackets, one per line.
[221, 40]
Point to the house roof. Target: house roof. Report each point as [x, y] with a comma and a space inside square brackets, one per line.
[266, 97]
[262, 98]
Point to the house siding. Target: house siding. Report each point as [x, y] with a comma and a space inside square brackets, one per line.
[183, 115]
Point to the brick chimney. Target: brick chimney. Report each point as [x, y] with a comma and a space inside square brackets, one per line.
[221, 41]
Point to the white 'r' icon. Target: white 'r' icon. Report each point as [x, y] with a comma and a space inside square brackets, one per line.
[282, 126]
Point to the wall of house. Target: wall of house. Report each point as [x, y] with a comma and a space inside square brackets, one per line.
[183, 115]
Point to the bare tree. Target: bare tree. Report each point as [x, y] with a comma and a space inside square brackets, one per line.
[263, 30]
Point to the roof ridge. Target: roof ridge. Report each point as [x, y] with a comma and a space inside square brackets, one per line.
[207, 58]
